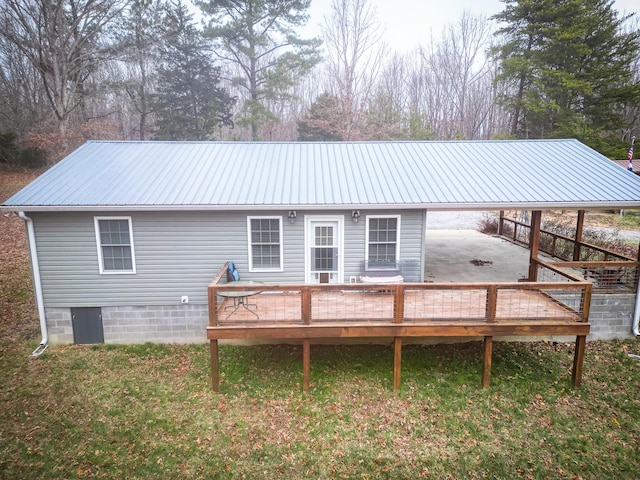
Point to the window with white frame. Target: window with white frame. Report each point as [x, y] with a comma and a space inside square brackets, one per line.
[265, 243]
[114, 236]
[383, 241]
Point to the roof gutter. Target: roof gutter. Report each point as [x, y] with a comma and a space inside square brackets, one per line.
[37, 285]
[483, 206]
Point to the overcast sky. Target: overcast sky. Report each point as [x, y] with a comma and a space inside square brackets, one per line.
[408, 23]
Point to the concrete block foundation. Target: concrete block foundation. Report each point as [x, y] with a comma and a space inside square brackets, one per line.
[611, 317]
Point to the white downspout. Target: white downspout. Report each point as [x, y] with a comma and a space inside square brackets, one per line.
[636, 313]
[37, 286]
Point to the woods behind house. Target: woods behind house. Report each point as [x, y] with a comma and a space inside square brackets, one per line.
[75, 70]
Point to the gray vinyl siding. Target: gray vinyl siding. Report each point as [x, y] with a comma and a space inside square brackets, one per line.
[411, 240]
[178, 253]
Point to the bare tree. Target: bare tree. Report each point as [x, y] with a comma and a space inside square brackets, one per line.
[458, 79]
[355, 54]
[60, 39]
[21, 93]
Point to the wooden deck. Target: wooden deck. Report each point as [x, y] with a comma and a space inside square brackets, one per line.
[308, 312]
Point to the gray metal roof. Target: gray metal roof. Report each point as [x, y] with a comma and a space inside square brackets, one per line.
[474, 175]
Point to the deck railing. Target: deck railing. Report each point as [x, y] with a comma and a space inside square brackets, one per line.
[408, 302]
[608, 271]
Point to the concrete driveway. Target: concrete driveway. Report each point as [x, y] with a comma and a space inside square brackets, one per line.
[461, 256]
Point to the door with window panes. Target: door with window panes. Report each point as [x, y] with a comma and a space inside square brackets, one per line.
[323, 251]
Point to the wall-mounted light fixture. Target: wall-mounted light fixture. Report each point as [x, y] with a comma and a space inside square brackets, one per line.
[292, 216]
[355, 216]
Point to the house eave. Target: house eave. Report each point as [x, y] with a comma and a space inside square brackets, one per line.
[484, 206]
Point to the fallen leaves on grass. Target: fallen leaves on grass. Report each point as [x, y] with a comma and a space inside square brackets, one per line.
[18, 316]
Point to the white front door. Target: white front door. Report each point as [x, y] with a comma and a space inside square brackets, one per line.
[323, 249]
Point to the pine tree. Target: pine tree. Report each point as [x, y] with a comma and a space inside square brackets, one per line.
[140, 35]
[566, 65]
[189, 104]
[321, 123]
[258, 38]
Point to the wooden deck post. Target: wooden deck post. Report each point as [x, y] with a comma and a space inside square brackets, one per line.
[397, 361]
[534, 244]
[305, 294]
[398, 313]
[306, 360]
[486, 363]
[212, 298]
[578, 359]
[578, 240]
[501, 223]
[492, 303]
[215, 367]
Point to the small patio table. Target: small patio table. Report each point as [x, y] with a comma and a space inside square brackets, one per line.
[241, 298]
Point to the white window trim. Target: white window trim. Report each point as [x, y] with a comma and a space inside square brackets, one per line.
[249, 242]
[366, 240]
[96, 222]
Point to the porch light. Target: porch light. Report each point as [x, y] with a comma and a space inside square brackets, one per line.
[355, 216]
[292, 216]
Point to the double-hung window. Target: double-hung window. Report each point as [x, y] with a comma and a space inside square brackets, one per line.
[114, 236]
[265, 243]
[383, 241]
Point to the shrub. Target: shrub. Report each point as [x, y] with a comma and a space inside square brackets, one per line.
[488, 224]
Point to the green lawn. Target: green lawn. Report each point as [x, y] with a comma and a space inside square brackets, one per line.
[147, 411]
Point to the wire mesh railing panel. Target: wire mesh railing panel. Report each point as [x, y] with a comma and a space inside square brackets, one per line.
[551, 275]
[536, 304]
[618, 278]
[265, 308]
[445, 304]
[351, 305]
[556, 246]
[604, 276]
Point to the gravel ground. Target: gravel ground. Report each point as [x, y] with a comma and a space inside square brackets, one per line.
[469, 220]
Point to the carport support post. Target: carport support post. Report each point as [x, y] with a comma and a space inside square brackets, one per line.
[215, 367]
[534, 244]
[578, 239]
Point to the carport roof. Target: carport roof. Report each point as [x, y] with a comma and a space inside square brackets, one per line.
[462, 175]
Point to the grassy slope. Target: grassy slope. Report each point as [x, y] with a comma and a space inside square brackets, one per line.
[146, 411]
